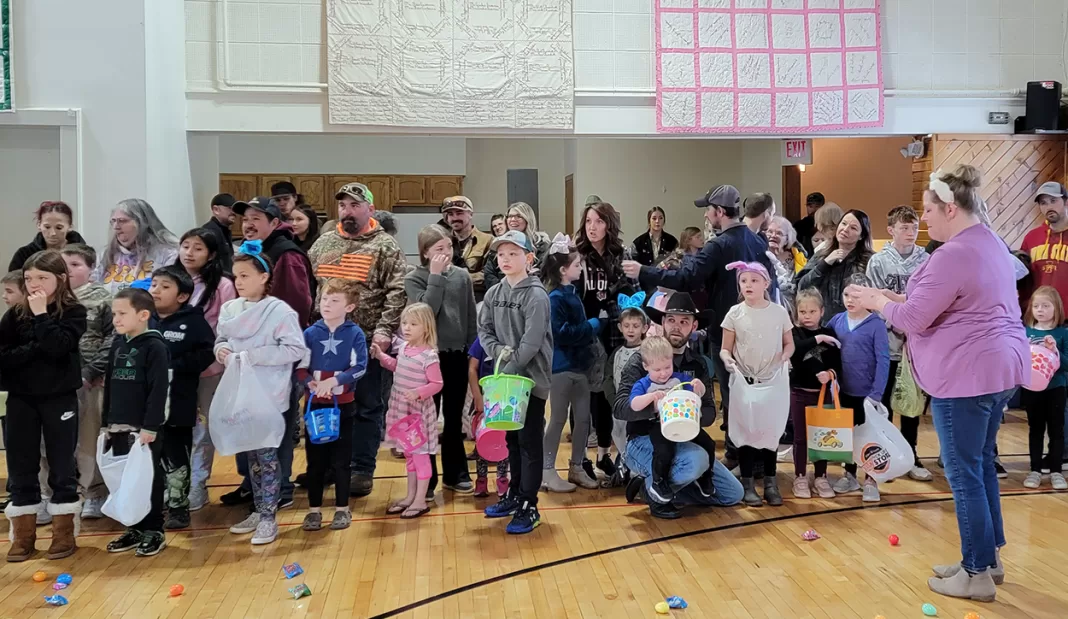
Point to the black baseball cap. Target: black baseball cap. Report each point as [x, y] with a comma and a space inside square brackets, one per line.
[223, 199]
[260, 203]
[723, 196]
[816, 198]
[283, 188]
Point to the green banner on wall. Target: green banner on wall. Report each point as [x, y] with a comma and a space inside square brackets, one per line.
[6, 99]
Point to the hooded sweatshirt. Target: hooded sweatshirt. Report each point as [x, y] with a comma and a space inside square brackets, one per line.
[340, 354]
[125, 267]
[190, 341]
[36, 245]
[518, 318]
[451, 296]
[135, 389]
[573, 333]
[39, 354]
[96, 341]
[223, 293]
[292, 281]
[1049, 258]
[889, 270]
[865, 356]
[269, 332]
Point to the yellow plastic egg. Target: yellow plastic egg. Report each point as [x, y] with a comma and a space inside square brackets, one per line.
[662, 608]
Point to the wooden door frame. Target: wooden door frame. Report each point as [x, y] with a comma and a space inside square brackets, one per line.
[569, 204]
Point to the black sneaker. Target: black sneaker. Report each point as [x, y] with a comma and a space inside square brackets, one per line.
[634, 486]
[607, 466]
[502, 508]
[525, 520]
[151, 543]
[177, 519]
[1002, 473]
[129, 540]
[285, 502]
[664, 511]
[587, 465]
[660, 491]
[237, 497]
[302, 479]
[705, 485]
[3, 503]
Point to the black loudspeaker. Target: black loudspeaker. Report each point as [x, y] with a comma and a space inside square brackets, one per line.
[1043, 106]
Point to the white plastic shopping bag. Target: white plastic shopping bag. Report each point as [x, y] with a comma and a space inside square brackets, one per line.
[129, 481]
[878, 446]
[242, 416]
[758, 412]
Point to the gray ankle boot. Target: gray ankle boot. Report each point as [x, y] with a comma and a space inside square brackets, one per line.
[550, 480]
[979, 587]
[751, 498]
[577, 475]
[771, 491]
[997, 573]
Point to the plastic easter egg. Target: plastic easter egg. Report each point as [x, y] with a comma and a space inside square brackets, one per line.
[894, 540]
[929, 610]
[661, 608]
[177, 590]
[39, 576]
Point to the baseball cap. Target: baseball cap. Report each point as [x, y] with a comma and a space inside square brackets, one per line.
[723, 196]
[260, 203]
[356, 191]
[593, 199]
[223, 199]
[816, 198]
[514, 237]
[283, 188]
[462, 203]
[1052, 189]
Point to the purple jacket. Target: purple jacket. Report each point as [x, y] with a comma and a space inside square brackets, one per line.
[962, 319]
[865, 356]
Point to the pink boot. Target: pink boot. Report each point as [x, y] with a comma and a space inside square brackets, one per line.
[502, 486]
[481, 487]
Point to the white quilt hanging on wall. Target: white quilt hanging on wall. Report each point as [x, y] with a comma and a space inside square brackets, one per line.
[451, 63]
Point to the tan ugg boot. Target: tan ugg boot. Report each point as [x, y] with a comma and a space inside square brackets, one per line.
[22, 532]
[64, 529]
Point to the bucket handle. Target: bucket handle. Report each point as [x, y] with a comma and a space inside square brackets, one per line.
[834, 391]
[505, 353]
[682, 385]
[307, 408]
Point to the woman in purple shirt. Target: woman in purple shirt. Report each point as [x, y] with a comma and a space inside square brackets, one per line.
[969, 351]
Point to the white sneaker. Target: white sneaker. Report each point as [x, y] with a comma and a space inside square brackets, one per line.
[920, 474]
[1058, 481]
[43, 517]
[198, 498]
[248, 525]
[91, 509]
[1033, 480]
[846, 483]
[871, 491]
[266, 532]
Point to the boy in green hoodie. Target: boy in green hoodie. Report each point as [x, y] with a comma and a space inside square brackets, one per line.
[514, 326]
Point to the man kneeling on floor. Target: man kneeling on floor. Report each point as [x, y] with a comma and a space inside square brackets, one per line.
[677, 314]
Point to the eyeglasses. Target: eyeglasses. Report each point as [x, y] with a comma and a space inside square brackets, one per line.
[514, 216]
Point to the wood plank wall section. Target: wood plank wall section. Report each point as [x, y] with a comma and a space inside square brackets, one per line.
[1013, 166]
[921, 175]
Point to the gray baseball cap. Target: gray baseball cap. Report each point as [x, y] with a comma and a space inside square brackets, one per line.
[514, 237]
[723, 196]
[1052, 189]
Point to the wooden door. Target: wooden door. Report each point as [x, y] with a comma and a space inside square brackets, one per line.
[313, 188]
[569, 204]
[409, 191]
[442, 187]
[791, 193]
[381, 187]
[241, 187]
[267, 181]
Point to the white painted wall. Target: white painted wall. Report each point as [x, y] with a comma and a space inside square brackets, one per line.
[29, 174]
[204, 171]
[340, 154]
[488, 162]
[761, 169]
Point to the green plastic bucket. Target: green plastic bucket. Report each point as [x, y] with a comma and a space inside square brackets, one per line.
[505, 398]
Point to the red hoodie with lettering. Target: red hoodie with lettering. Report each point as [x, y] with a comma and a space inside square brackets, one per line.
[1049, 258]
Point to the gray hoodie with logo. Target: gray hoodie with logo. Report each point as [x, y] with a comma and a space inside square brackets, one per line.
[889, 270]
[518, 318]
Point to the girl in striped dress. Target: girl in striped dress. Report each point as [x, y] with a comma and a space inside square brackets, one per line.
[417, 377]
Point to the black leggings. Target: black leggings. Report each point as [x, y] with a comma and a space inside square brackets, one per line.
[1045, 414]
[664, 450]
[28, 419]
[747, 459]
[601, 416]
[857, 404]
[454, 393]
[525, 453]
[336, 455]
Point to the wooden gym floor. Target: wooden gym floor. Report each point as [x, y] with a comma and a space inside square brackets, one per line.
[593, 556]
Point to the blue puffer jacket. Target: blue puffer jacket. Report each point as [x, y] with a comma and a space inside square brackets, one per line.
[572, 332]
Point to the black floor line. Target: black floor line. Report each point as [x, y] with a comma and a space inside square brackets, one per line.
[667, 538]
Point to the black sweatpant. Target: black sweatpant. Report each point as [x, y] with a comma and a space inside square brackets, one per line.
[177, 447]
[120, 445]
[857, 404]
[28, 419]
[664, 450]
[748, 458]
[1045, 414]
[601, 417]
[334, 455]
[525, 453]
[453, 393]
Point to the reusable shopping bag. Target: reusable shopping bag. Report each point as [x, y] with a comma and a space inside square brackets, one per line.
[830, 428]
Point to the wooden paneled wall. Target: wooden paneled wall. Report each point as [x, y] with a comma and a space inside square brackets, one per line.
[1013, 166]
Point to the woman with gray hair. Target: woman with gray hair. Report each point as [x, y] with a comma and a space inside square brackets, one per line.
[787, 259]
[139, 244]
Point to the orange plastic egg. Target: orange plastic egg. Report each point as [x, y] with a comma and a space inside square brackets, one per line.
[972, 615]
[40, 577]
[177, 590]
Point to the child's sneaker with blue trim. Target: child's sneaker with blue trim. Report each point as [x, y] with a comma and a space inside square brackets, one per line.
[503, 508]
[525, 520]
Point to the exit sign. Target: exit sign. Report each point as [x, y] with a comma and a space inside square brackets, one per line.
[796, 152]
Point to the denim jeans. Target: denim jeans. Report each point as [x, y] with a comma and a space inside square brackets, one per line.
[369, 424]
[690, 463]
[968, 430]
[285, 450]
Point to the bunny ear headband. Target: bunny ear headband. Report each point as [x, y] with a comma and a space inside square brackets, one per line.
[940, 187]
[751, 267]
[254, 249]
[561, 244]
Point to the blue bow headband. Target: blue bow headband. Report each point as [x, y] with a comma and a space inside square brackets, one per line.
[254, 249]
[142, 284]
[634, 301]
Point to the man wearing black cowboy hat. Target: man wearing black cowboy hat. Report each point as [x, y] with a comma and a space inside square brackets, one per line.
[709, 269]
[679, 317]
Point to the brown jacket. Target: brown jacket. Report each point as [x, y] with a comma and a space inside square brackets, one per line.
[473, 256]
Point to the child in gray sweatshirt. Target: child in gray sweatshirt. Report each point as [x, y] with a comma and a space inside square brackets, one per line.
[515, 322]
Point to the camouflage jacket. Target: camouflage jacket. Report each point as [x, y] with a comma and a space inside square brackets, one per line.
[375, 264]
[96, 341]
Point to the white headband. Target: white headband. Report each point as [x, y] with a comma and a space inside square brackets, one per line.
[940, 187]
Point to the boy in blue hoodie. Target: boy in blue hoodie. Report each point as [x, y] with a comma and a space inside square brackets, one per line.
[865, 369]
[337, 359]
[190, 342]
[514, 321]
